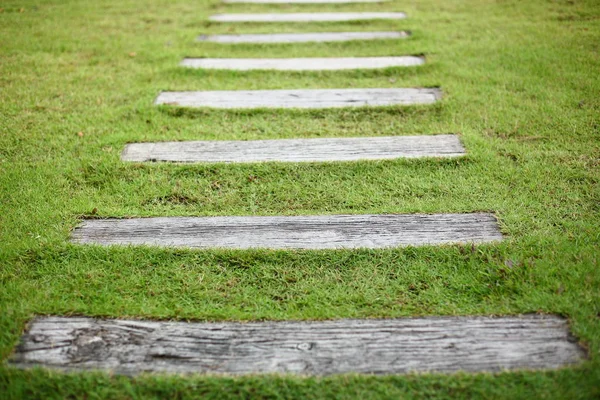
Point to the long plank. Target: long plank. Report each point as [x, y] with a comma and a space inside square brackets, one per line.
[311, 98]
[297, 150]
[393, 346]
[303, 37]
[307, 17]
[302, 64]
[293, 232]
[302, 1]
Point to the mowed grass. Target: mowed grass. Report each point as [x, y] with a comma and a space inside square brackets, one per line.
[521, 86]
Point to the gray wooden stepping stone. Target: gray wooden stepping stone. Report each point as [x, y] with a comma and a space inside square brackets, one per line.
[303, 1]
[297, 150]
[302, 64]
[307, 17]
[294, 232]
[302, 37]
[309, 98]
[388, 346]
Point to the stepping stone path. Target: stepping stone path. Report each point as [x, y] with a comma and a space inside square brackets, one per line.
[310, 348]
[302, 64]
[294, 232]
[297, 150]
[315, 98]
[388, 346]
[303, 37]
[307, 17]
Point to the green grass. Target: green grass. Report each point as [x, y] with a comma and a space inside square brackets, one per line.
[521, 86]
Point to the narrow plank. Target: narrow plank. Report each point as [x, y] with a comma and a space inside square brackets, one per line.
[292, 232]
[311, 98]
[303, 37]
[302, 64]
[302, 1]
[307, 17]
[392, 346]
[297, 150]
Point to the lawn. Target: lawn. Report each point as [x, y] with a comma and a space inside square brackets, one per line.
[521, 86]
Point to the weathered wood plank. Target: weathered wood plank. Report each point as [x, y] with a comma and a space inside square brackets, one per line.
[302, 64]
[303, 37]
[310, 98]
[297, 150]
[307, 17]
[292, 232]
[302, 1]
[393, 346]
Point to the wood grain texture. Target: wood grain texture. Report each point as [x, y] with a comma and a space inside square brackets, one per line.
[302, 64]
[309, 98]
[297, 150]
[293, 232]
[393, 346]
[307, 17]
[302, 37]
[302, 1]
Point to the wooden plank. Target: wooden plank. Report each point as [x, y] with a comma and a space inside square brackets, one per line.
[307, 17]
[302, 1]
[297, 150]
[292, 232]
[302, 64]
[392, 346]
[311, 98]
[303, 37]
